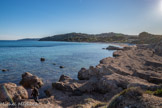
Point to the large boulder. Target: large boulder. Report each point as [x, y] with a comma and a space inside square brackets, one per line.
[11, 92]
[66, 83]
[29, 80]
[113, 48]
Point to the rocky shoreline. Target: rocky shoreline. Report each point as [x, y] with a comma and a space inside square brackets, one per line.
[132, 78]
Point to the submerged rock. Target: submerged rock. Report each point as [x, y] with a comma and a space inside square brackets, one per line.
[4, 70]
[11, 92]
[54, 63]
[62, 67]
[42, 59]
[29, 80]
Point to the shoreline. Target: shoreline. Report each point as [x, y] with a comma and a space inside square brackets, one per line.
[86, 74]
[111, 77]
[58, 76]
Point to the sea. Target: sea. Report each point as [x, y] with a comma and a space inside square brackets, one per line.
[19, 57]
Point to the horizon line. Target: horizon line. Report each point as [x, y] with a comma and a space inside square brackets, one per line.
[75, 32]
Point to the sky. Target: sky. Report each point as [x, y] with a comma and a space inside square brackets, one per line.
[40, 18]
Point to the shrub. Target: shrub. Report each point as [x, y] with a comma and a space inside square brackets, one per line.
[158, 92]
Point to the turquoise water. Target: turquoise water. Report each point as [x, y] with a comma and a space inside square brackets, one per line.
[24, 56]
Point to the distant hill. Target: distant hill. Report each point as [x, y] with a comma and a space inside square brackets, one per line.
[81, 37]
[29, 39]
[147, 38]
[142, 38]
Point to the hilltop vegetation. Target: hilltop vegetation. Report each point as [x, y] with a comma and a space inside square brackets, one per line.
[80, 37]
[147, 38]
[142, 38]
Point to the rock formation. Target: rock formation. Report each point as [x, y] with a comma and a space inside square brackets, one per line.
[115, 77]
[29, 80]
[11, 92]
[113, 48]
[132, 78]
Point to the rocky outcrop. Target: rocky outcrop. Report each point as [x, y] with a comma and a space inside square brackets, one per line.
[121, 81]
[66, 85]
[113, 48]
[84, 74]
[135, 98]
[129, 62]
[106, 83]
[136, 66]
[71, 85]
[29, 80]
[117, 82]
[12, 93]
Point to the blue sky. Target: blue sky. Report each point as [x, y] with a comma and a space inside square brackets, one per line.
[40, 18]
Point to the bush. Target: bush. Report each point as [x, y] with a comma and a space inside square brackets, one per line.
[158, 92]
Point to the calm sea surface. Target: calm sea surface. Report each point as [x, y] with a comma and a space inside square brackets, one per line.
[24, 56]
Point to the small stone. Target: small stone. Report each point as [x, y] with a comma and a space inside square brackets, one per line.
[54, 63]
[42, 59]
[4, 70]
[61, 66]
